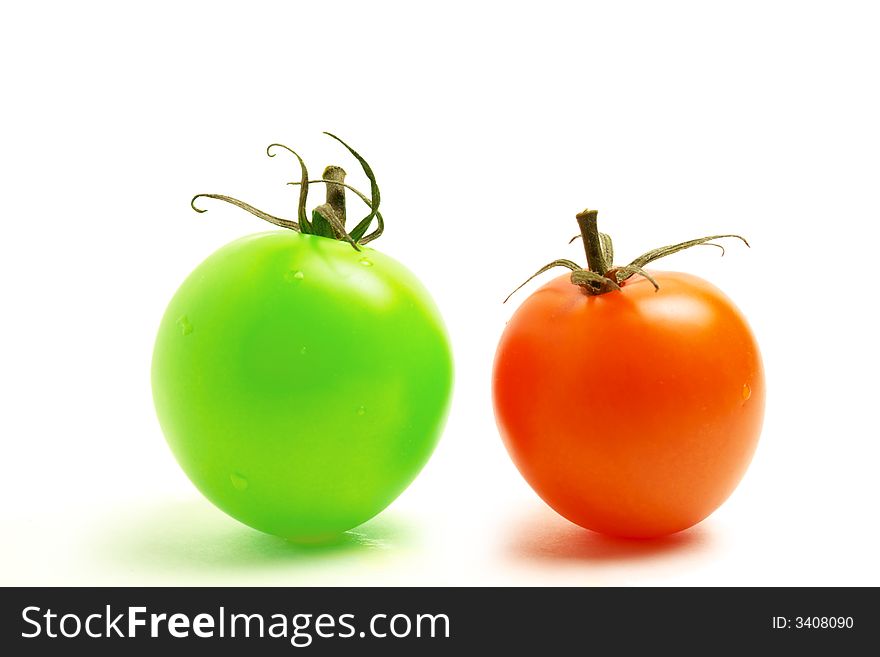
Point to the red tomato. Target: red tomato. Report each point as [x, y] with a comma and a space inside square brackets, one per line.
[633, 413]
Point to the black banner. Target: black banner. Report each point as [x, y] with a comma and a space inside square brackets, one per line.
[435, 621]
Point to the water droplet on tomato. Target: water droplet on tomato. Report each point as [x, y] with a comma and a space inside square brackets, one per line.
[184, 325]
[365, 262]
[747, 392]
[238, 481]
[361, 410]
[293, 275]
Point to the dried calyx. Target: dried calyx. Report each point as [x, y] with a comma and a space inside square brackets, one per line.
[601, 276]
[328, 219]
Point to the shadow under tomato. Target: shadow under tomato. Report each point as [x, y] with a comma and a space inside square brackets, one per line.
[543, 535]
[194, 537]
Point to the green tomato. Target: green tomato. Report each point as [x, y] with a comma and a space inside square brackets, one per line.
[302, 385]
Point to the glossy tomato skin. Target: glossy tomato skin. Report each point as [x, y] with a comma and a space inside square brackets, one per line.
[301, 385]
[633, 413]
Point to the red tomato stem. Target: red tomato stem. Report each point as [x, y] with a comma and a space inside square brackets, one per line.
[589, 225]
[601, 276]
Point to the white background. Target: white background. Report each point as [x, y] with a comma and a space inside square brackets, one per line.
[489, 126]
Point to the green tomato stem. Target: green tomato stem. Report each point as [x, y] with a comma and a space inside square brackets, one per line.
[335, 190]
[328, 219]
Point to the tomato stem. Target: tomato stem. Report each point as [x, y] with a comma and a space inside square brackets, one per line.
[601, 276]
[328, 219]
[588, 223]
[335, 190]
